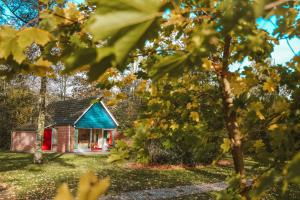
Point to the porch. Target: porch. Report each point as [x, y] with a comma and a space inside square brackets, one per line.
[93, 140]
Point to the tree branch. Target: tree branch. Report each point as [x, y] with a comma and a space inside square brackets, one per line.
[276, 3]
[13, 12]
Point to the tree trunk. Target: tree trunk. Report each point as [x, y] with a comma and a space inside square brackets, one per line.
[230, 117]
[41, 121]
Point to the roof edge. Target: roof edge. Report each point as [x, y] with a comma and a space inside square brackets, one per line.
[83, 113]
[113, 118]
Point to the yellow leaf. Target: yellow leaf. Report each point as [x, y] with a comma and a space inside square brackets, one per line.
[18, 53]
[90, 188]
[174, 126]
[269, 86]
[260, 115]
[63, 193]
[142, 86]
[99, 189]
[107, 93]
[226, 145]
[195, 116]
[7, 44]
[30, 35]
[272, 127]
[44, 1]
[207, 65]
[188, 106]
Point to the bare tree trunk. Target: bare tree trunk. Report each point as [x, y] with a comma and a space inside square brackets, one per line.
[41, 121]
[230, 117]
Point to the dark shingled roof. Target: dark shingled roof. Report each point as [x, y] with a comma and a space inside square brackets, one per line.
[66, 112]
[61, 113]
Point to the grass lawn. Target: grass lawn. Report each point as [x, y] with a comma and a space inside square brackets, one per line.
[30, 181]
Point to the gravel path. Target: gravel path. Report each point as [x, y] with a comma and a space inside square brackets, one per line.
[167, 193]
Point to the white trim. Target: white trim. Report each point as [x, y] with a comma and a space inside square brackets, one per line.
[83, 114]
[106, 109]
[113, 118]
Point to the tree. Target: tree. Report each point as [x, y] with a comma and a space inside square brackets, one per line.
[29, 50]
[217, 34]
[17, 106]
[187, 35]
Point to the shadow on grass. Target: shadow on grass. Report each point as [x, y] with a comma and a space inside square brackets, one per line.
[214, 176]
[16, 161]
[122, 180]
[56, 158]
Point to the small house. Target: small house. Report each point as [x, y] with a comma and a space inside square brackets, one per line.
[71, 126]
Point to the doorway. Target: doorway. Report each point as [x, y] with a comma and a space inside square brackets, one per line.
[47, 140]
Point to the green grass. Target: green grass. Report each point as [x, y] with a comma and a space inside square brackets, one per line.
[41, 181]
[30, 181]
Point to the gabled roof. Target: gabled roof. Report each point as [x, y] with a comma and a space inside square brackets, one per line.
[96, 116]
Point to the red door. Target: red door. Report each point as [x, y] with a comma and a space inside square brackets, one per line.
[47, 139]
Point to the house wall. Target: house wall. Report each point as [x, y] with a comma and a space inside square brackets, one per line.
[65, 138]
[23, 141]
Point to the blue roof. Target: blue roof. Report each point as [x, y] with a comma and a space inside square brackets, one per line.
[96, 117]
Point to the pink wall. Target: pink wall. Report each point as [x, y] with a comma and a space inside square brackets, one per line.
[23, 141]
[63, 138]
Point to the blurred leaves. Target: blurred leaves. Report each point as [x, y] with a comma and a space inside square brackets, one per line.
[89, 188]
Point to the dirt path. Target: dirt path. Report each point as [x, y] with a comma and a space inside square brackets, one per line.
[167, 193]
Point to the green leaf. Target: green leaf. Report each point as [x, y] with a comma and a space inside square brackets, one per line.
[258, 145]
[80, 58]
[263, 184]
[103, 26]
[126, 43]
[103, 62]
[292, 171]
[259, 7]
[145, 6]
[166, 65]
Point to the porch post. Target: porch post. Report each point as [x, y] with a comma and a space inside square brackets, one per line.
[102, 141]
[113, 137]
[91, 135]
